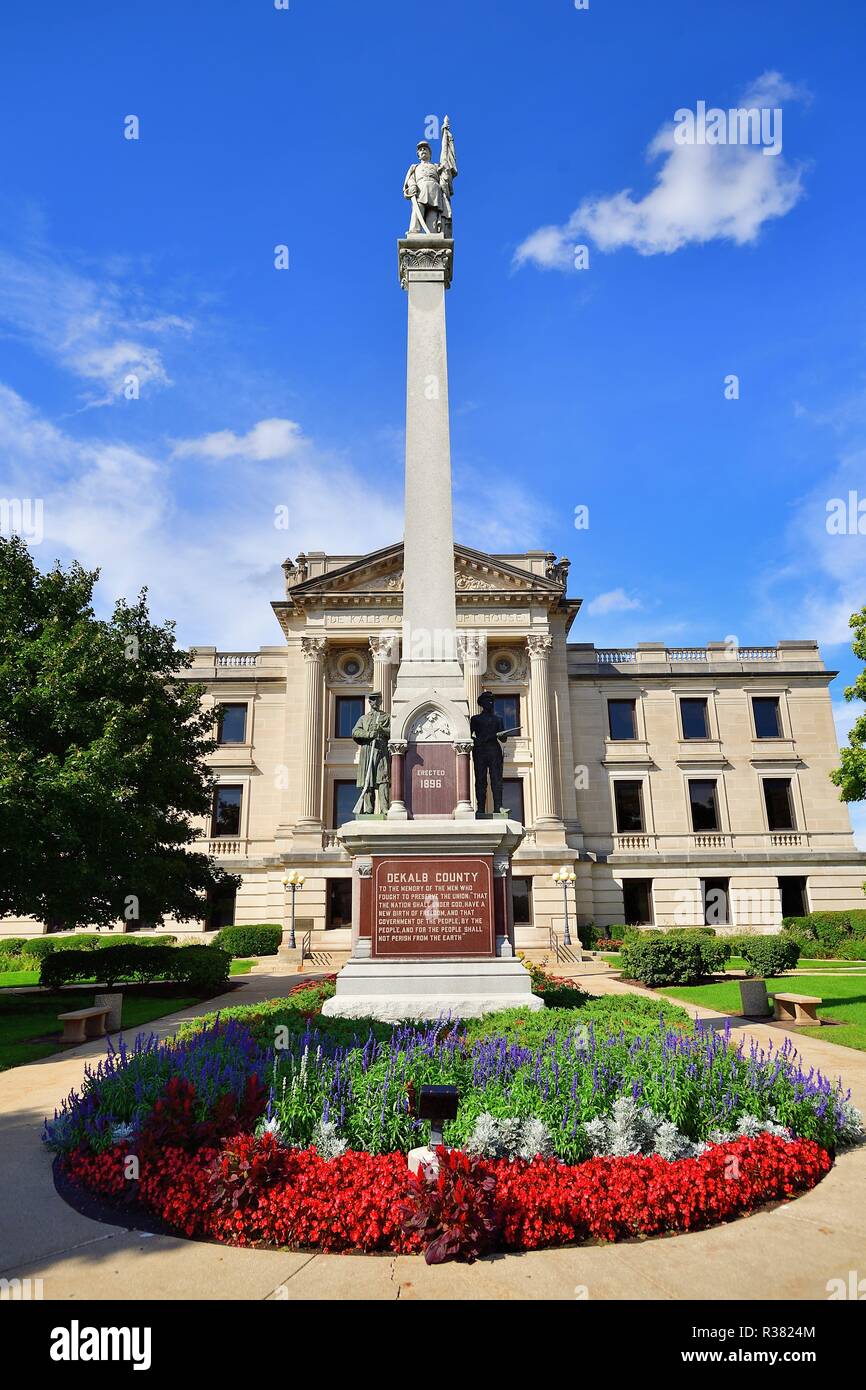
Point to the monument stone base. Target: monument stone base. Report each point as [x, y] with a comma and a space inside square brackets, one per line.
[394, 990]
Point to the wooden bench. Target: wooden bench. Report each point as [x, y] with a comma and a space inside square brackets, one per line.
[796, 1008]
[80, 1024]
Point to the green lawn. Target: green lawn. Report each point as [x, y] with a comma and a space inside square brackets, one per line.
[737, 963]
[844, 1000]
[28, 1022]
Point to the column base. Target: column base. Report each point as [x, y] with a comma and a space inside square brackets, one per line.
[392, 991]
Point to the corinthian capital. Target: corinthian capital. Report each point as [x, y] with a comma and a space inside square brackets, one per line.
[313, 648]
[539, 644]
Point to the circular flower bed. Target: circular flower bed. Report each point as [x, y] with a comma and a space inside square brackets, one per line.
[274, 1126]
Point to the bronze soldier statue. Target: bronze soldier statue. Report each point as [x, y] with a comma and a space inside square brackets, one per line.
[488, 736]
[371, 733]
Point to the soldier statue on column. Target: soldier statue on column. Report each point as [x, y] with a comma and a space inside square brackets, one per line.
[428, 186]
[371, 733]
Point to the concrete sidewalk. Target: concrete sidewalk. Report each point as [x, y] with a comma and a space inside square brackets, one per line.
[788, 1253]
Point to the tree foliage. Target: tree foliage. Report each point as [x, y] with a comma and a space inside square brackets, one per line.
[103, 751]
[851, 776]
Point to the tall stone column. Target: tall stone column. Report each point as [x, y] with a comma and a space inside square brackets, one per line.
[383, 667]
[539, 645]
[429, 648]
[470, 647]
[314, 696]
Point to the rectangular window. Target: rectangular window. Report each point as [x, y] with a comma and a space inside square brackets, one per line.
[693, 714]
[347, 711]
[628, 799]
[345, 796]
[226, 819]
[716, 902]
[702, 798]
[220, 911]
[637, 901]
[793, 893]
[521, 898]
[766, 712]
[621, 719]
[512, 797]
[232, 724]
[777, 798]
[339, 908]
[508, 709]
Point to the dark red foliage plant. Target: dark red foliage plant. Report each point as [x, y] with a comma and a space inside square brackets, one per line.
[454, 1211]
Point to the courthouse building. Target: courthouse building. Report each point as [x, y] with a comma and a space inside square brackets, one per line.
[681, 784]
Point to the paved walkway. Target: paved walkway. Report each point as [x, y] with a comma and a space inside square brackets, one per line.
[789, 1253]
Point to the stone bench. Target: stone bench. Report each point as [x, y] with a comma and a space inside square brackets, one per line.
[796, 1008]
[80, 1024]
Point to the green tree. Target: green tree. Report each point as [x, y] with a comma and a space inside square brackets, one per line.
[851, 776]
[102, 756]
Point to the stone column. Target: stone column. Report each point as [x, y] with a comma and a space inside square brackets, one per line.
[383, 658]
[428, 661]
[469, 645]
[314, 695]
[397, 749]
[539, 645]
[463, 809]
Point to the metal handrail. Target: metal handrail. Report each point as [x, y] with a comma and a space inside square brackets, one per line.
[553, 942]
[307, 946]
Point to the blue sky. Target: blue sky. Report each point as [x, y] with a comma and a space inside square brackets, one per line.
[264, 389]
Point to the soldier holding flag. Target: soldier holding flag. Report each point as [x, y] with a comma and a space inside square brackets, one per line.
[429, 187]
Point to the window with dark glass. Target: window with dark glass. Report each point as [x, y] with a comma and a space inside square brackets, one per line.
[345, 796]
[777, 798]
[766, 712]
[347, 711]
[621, 718]
[693, 714]
[226, 819]
[512, 797]
[716, 902]
[628, 799]
[232, 724]
[702, 797]
[339, 907]
[521, 898]
[220, 911]
[508, 709]
[793, 893]
[637, 901]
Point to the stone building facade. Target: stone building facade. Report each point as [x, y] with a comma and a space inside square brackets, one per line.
[681, 785]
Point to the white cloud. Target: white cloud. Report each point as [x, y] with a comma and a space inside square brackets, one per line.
[269, 439]
[702, 193]
[614, 601]
[92, 328]
[210, 554]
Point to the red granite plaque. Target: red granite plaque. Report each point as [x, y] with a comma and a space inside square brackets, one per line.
[430, 779]
[431, 908]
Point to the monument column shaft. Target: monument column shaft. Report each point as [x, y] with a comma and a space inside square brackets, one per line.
[429, 607]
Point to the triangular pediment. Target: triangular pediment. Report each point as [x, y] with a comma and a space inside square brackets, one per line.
[381, 573]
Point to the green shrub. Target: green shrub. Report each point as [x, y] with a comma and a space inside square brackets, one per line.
[12, 945]
[852, 950]
[241, 942]
[15, 960]
[203, 968]
[662, 959]
[769, 955]
[824, 933]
